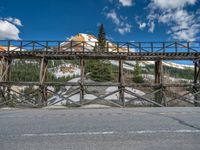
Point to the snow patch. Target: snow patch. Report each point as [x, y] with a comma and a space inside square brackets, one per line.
[65, 70]
[116, 95]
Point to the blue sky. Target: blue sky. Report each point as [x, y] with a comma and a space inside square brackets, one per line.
[124, 20]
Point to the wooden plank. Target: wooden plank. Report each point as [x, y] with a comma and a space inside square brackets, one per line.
[144, 98]
[104, 55]
[43, 78]
[82, 67]
[196, 80]
[159, 80]
[65, 98]
[12, 83]
[121, 82]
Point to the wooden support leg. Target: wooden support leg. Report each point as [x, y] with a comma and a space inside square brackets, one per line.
[43, 79]
[121, 82]
[1, 74]
[5, 75]
[82, 65]
[164, 96]
[196, 80]
[8, 78]
[43, 101]
[159, 80]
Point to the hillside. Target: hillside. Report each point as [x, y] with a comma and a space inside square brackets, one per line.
[90, 44]
[62, 70]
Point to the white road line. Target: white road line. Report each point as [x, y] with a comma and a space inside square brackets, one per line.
[112, 132]
[164, 131]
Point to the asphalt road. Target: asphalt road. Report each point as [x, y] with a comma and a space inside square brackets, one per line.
[101, 129]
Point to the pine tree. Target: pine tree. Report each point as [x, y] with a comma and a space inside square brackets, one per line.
[102, 38]
[137, 73]
[100, 70]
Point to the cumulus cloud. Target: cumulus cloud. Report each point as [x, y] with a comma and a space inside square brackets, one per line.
[151, 26]
[120, 22]
[182, 24]
[142, 25]
[14, 21]
[9, 28]
[126, 3]
[113, 16]
[171, 4]
[124, 29]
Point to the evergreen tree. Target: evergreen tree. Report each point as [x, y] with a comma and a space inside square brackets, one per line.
[100, 70]
[137, 73]
[102, 37]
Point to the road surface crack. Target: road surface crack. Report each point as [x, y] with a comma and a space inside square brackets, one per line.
[176, 119]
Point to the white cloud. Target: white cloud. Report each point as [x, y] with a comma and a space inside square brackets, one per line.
[113, 16]
[171, 4]
[182, 24]
[9, 29]
[120, 22]
[124, 29]
[151, 26]
[126, 3]
[142, 25]
[14, 21]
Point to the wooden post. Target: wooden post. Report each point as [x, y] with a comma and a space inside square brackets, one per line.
[2, 62]
[5, 75]
[196, 80]
[82, 64]
[43, 79]
[159, 80]
[5, 69]
[1, 68]
[8, 78]
[121, 82]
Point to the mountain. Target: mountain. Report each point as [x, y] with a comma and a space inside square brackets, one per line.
[90, 43]
[2, 48]
[12, 48]
[90, 40]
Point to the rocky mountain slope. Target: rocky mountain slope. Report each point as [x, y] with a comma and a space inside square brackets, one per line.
[90, 44]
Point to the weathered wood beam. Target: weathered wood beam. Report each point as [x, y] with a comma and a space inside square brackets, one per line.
[102, 98]
[12, 83]
[82, 67]
[121, 82]
[65, 98]
[5, 75]
[140, 56]
[42, 80]
[144, 98]
[196, 80]
[159, 80]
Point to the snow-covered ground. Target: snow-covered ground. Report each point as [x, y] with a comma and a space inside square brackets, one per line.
[65, 70]
[125, 66]
[171, 79]
[169, 64]
[75, 98]
[127, 96]
[75, 70]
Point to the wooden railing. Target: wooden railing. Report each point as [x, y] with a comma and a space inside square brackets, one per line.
[143, 47]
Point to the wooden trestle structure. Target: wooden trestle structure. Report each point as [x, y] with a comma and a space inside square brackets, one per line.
[73, 50]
